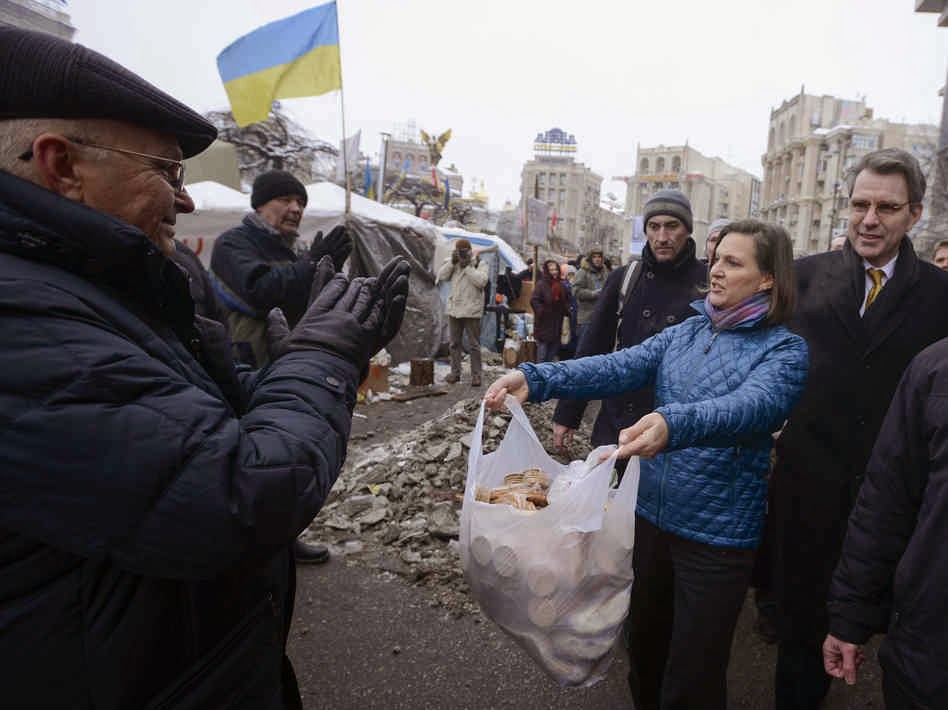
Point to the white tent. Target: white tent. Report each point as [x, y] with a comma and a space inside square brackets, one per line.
[378, 233]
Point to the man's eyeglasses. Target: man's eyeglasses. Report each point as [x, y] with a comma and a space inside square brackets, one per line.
[172, 170]
[883, 209]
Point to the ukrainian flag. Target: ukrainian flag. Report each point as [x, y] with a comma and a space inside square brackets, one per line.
[298, 56]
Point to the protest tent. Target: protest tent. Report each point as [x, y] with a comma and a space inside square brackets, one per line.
[378, 233]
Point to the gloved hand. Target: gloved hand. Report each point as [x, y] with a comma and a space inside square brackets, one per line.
[345, 319]
[337, 244]
[278, 329]
[215, 356]
[325, 270]
[393, 286]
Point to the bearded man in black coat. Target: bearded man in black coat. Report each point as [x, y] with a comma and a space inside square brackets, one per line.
[865, 312]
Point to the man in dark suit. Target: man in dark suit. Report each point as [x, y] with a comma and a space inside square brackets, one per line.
[865, 312]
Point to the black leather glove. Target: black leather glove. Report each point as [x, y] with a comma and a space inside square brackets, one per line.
[337, 244]
[325, 270]
[216, 357]
[345, 319]
[278, 329]
[393, 287]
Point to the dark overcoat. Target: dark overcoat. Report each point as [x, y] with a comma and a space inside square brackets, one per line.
[893, 570]
[855, 365]
[145, 516]
[660, 297]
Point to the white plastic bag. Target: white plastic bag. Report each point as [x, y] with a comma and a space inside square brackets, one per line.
[556, 579]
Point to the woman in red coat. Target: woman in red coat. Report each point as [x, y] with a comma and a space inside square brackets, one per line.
[550, 303]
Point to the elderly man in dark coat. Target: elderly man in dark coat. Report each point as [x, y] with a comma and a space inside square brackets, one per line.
[865, 312]
[149, 492]
[256, 267]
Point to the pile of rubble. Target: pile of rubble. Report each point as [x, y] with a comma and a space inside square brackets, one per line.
[396, 505]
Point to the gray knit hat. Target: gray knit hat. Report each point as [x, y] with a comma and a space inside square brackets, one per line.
[669, 202]
[717, 225]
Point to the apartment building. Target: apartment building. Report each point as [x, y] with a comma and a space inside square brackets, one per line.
[714, 187]
[813, 142]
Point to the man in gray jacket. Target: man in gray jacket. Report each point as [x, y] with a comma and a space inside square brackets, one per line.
[468, 276]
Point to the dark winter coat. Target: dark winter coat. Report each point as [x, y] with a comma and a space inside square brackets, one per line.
[548, 314]
[722, 393]
[255, 270]
[893, 570]
[660, 297]
[144, 527]
[855, 365]
[206, 302]
[587, 287]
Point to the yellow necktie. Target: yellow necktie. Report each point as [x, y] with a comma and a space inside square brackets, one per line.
[876, 276]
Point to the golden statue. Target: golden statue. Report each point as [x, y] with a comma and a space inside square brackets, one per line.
[435, 146]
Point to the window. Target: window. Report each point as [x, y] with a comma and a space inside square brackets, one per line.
[676, 164]
[542, 179]
[644, 167]
[562, 179]
[865, 142]
[660, 166]
[562, 197]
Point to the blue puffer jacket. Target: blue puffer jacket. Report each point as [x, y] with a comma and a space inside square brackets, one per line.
[722, 394]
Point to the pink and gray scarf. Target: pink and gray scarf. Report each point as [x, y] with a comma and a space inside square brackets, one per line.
[748, 310]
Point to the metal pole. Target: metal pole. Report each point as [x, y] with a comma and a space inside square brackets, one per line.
[342, 113]
[383, 161]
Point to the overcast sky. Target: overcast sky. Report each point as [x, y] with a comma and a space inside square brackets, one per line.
[614, 73]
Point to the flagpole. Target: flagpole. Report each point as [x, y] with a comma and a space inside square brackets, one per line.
[342, 113]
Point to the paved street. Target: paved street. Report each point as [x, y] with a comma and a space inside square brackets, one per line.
[365, 641]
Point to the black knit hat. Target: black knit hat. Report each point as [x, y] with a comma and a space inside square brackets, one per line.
[42, 76]
[673, 203]
[273, 184]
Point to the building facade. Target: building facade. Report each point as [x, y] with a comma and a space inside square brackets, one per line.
[813, 142]
[49, 16]
[714, 187]
[571, 190]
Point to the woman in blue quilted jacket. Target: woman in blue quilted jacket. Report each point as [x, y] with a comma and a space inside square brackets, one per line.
[724, 380]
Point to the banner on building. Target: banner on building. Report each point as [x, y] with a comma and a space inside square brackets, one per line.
[537, 216]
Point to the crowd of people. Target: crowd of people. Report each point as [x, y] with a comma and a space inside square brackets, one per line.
[756, 390]
[168, 431]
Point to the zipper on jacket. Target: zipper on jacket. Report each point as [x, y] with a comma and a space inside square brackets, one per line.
[711, 342]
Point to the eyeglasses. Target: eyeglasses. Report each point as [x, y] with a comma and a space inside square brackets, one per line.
[172, 170]
[883, 209]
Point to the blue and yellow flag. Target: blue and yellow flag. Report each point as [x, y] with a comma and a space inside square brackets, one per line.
[290, 58]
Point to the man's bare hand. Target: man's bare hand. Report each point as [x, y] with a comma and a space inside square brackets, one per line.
[842, 659]
[562, 438]
[646, 438]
